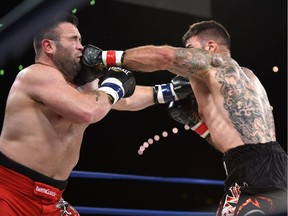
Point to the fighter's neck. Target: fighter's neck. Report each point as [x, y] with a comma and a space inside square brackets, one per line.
[46, 64]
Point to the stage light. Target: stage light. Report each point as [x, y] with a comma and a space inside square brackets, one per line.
[20, 67]
[275, 69]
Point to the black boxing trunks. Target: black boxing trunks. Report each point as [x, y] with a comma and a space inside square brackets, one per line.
[26, 192]
[256, 182]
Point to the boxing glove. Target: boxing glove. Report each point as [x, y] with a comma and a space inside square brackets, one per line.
[118, 83]
[91, 66]
[179, 88]
[185, 111]
[95, 57]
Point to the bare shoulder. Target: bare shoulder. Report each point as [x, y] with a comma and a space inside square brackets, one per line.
[38, 72]
[38, 81]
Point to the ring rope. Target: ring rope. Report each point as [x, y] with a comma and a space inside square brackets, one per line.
[100, 175]
[138, 212]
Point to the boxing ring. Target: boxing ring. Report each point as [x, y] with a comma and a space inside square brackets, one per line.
[135, 212]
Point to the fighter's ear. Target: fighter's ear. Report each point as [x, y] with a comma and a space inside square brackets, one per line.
[48, 46]
[211, 45]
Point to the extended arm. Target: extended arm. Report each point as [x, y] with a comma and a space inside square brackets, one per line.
[145, 96]
[94, 68]
[180, 61]
[150, 58]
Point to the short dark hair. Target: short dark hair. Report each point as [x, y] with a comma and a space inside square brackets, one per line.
[208, 29]
[49, 31]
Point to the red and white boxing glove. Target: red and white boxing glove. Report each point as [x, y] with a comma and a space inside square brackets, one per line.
[96, 57]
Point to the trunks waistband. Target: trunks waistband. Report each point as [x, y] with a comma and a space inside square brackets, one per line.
[35, 176]
[247, 152]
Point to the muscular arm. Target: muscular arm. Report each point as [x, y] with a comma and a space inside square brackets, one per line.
[49, 88]
[141, 99]
[149, 58]
[182, 61]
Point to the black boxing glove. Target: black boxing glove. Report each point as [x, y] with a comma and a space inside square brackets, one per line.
[95, 57]
[91, 66]
[185, 111]
[118, 83]
[179, 88]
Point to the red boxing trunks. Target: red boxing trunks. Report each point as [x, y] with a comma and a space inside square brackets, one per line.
[26, 192]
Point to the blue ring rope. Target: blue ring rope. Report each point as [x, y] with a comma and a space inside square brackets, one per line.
[99, 175]
[139, 212]
[134, 212]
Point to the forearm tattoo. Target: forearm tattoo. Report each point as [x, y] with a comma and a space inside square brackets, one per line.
[96, 93]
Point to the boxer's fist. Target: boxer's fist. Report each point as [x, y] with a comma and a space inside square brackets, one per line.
[185, 111]
[178, 89]
[92, 58]
[95, 57]
[118, 83]
[91, 66]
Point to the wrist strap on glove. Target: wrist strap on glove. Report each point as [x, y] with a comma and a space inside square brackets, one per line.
[164, 93]
[201, 129]
[112, 58]
[113, 88]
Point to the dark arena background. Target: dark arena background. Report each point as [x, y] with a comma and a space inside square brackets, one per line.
[259, 41]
